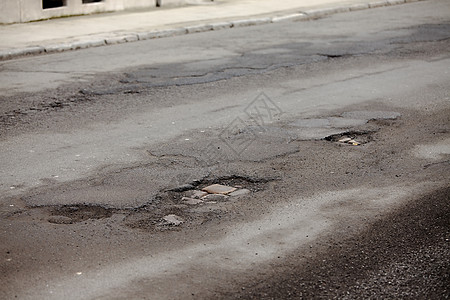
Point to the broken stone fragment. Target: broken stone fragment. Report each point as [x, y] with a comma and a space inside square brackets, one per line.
[173, 220]
[215, 197]
[353, 142]
[239, 193]
[345, 140]
[196, 194]
[191, 201]
[219, 189]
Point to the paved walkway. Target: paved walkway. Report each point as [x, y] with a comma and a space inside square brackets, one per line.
[110, 28]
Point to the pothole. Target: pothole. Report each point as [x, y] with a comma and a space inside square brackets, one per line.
[194, 203]
[252, 183]
[153, 220]
[78, 213]
[354, 138]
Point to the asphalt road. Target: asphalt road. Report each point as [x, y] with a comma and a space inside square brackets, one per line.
[97, 146]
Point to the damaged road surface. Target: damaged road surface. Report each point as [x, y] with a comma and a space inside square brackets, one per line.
[242, 163]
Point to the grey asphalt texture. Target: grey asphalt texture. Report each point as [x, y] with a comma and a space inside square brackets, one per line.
[99, 145]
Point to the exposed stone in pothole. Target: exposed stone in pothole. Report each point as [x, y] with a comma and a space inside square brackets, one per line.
[192, 206]
[215, 198]
[216, 195]
[219, 189]
[195, 194]
[229, 183]
[206, 193]
[354, 138]
[239, 192]
[350, 141]
[191, 201]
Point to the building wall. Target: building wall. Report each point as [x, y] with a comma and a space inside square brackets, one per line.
[15, 11]
[9, 11]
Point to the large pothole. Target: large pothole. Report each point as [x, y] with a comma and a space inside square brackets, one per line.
[191, 205]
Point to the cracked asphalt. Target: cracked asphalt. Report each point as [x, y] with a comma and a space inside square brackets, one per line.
[338, 127]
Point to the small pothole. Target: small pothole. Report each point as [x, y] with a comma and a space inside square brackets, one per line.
[77, 213]
[354, 138]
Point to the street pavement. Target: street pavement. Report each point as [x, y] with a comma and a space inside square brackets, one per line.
[334, 133]
[80, 32]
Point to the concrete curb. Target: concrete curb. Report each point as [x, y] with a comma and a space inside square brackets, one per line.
[133, 37]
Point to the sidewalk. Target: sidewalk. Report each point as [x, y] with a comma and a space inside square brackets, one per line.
[111, 28]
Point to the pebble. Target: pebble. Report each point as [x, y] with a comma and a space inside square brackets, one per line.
[196, 194]
[191, 201]
[215, 197]
[239, 192]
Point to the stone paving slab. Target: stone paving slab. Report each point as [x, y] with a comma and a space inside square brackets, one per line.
[219, 189]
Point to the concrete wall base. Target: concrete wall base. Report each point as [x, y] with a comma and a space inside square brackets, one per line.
[16, 11]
